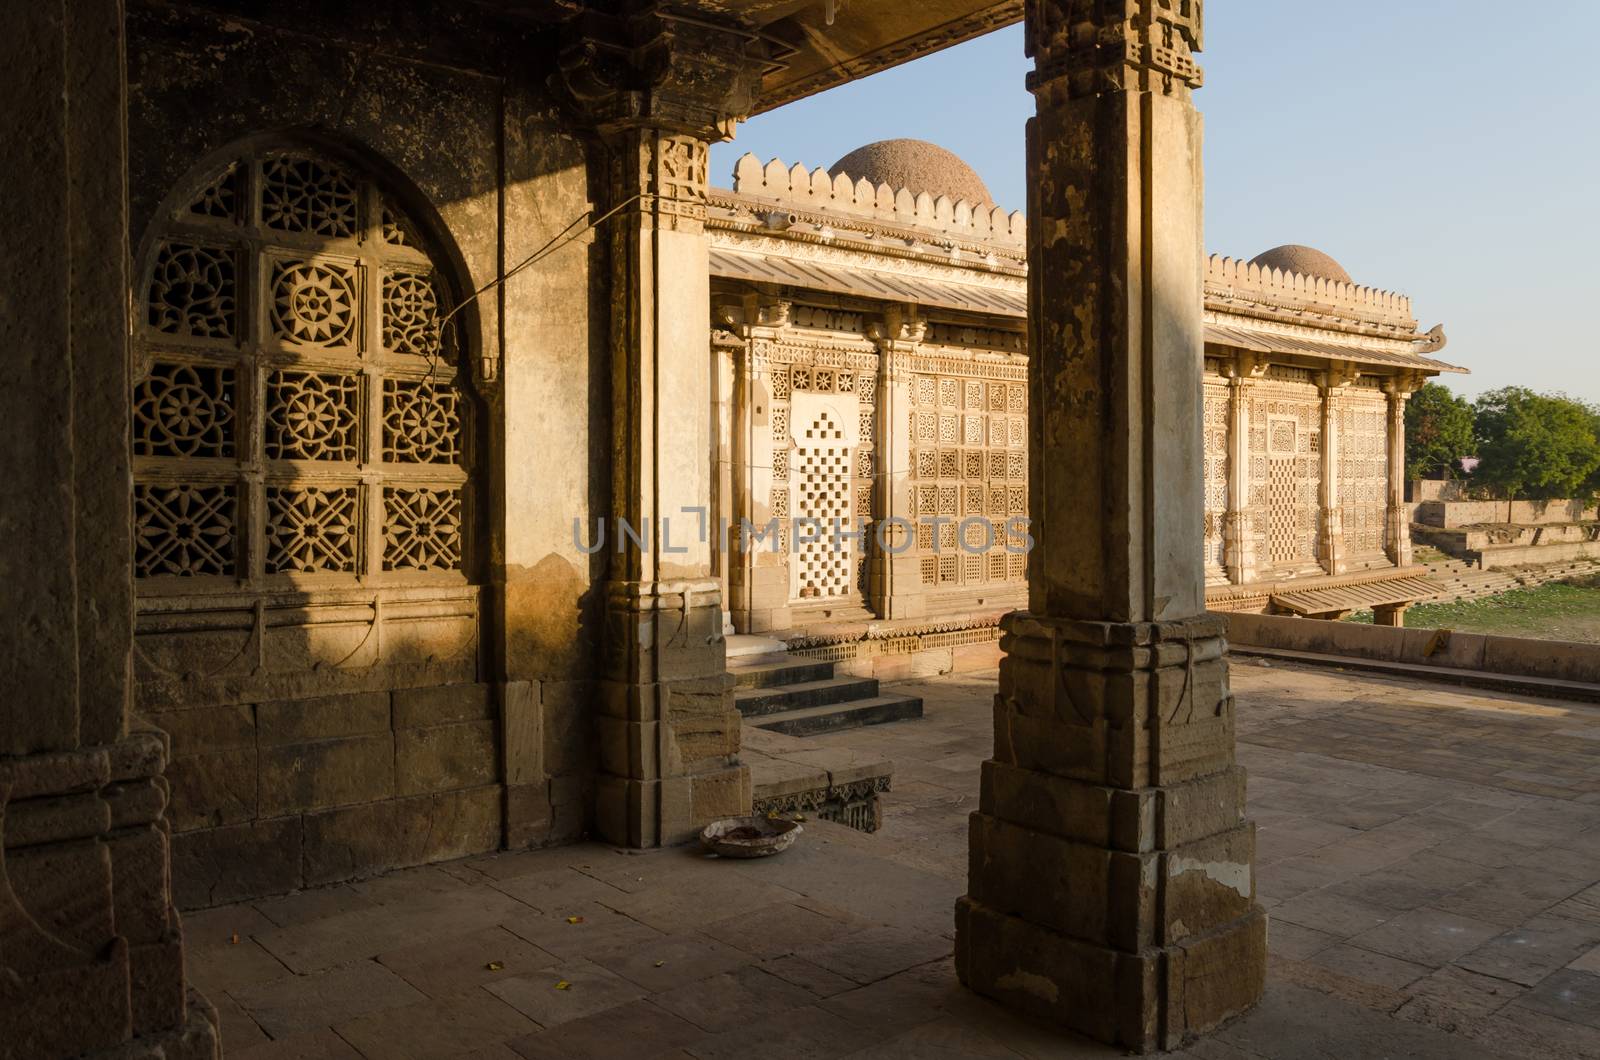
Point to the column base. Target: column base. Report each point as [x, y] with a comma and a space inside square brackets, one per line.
[91, 948]
[1397, 529]
[652, 813]
[1238, 547]
[1111, 882]
[1331, 541]
[668, 730]
[1157, 998]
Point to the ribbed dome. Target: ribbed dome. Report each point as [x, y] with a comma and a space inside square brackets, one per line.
[915, 165]
[1307, 261]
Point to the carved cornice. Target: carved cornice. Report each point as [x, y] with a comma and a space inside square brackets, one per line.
[659, 69]
[1091, 47]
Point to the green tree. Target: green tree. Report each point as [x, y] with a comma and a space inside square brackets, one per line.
[1535, 446]
[1438, 432]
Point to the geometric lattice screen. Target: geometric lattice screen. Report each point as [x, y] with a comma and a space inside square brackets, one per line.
[298, 415]
[969, 458]
[823, 568]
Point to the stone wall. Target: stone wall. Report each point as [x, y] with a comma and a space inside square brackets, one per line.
[1537, 513]
[1436, 489]
[329, 726]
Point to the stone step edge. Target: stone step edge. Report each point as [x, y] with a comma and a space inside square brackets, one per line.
[855, 706]
[750, 677]
[853, 803]
[835, 691]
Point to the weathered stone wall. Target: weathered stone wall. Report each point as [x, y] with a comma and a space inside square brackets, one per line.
[1535, 513]
[340, 729]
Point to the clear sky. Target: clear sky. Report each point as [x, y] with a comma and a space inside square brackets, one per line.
[1448, 149]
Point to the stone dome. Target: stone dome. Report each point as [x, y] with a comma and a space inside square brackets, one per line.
[915, 165]
[1307, 261]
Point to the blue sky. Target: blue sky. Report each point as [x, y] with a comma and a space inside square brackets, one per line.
[1448, 149]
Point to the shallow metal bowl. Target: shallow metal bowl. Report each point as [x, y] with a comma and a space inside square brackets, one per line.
[749, 837]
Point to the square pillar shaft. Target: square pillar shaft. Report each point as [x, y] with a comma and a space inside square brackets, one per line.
[91, 948]
[658, 89]
[669, 734]
[1397, 521]
[1111, 885]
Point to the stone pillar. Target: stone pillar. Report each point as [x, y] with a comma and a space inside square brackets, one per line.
[1238, 536]
[758, 575]
[1331, 387]
[91, 949]
[657, 89]
[1396, 521]
[897, 588]
[1390, 615]
[1112, 885]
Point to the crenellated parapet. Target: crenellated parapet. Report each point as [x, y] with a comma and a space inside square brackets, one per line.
[1238, 281]
[798, 188]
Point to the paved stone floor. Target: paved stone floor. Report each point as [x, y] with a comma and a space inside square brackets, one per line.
[1429, 858]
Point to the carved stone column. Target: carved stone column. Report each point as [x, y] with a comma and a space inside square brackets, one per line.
[91, 948]
[1238, 535]
[897, 589]
[1111, 885]
[658, 89]
[1332, 386]
[1396, 522]
[757, 574]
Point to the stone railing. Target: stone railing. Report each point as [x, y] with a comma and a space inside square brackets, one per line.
[796, 187]
[1233, 278]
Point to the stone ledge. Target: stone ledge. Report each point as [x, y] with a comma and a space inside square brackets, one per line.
[790, 775]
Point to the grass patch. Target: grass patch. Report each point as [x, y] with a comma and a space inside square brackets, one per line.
[1554, 611]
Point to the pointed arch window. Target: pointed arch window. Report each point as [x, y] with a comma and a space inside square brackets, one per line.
[297, 418]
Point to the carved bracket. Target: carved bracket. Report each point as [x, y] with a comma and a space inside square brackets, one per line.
[655, 68]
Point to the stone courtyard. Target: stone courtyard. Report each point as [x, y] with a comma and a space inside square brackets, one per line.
[1429, 858]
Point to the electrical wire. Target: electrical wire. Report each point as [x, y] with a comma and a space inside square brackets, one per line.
[556, 242]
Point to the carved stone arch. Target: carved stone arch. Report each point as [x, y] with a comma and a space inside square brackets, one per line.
[417, 210]
[301, 419]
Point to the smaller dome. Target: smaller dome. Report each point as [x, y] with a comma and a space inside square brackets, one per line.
[915, 165]
[1307, 261]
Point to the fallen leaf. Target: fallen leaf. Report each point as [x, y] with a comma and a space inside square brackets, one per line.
[495, 966]
[562, 984]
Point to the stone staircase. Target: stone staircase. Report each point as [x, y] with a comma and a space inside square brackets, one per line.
[802, 697]
[1463, 581]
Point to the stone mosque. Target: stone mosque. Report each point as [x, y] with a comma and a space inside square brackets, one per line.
[888, 293]
[338, 330]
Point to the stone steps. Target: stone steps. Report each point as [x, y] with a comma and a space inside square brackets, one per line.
[774, 674]
[1462, 581]
[830, 691]
[802, 697]
[810, 721]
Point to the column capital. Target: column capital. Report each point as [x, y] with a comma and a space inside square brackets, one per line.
[1244, 366]
[901, 330]
[1338, 378]
[1091, 47]
[755, 316]
[657, 69]
[1400, 387]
